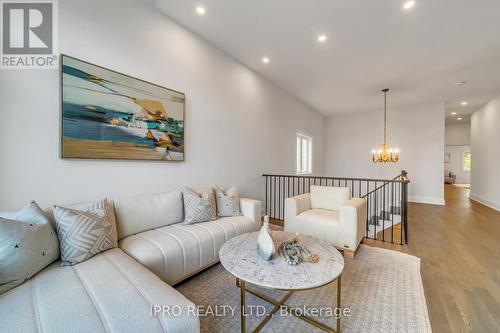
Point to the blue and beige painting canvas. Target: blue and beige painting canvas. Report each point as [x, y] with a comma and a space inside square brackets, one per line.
[108, 115]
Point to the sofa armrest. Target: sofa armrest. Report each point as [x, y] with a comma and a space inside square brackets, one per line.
[296, 205]
[352, 222]
[251, 209]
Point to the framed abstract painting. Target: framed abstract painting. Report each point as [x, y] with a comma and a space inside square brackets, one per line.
[109, 115]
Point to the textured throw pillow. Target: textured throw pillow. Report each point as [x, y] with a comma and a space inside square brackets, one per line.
[85, 233]
[28, 244]
[199, 206]
[228, 202]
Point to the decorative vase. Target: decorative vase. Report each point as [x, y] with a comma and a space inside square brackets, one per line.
[265, 244]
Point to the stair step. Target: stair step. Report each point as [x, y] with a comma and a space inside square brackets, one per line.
[375, 220]
[385, 218]
[385, 215]
[396, 210]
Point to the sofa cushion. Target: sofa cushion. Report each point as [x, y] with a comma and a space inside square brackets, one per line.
[228, 202]
[84, 233]
[199, 206]
[177, 251]
[110, 292]
[320, 223]
[329, 197]
[28, 244]
[138, 214]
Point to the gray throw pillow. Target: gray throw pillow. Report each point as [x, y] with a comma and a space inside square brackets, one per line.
[228, 202]
[199, 206]
[85, 233]
[28, 244]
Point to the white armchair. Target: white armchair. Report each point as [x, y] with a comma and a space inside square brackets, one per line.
[328, 213]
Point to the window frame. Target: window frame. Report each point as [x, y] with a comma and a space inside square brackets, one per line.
[299, 170]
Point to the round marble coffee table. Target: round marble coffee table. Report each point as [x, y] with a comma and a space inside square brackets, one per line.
[239, 257]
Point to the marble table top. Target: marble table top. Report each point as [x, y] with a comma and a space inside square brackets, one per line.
[239, 257]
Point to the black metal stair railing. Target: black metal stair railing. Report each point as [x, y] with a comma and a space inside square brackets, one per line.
[387, 200]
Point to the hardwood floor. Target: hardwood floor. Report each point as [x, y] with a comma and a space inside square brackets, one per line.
[459, 247]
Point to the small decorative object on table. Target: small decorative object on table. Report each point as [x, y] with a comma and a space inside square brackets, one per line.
[265, 244]
[293, 253]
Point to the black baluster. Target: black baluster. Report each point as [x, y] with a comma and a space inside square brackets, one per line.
[274, 197]
[376, 211]
[383, 214]
[406, 211]
[401, 212]
[367, 216]
[392, 212]
[288, 180]
[267, 207]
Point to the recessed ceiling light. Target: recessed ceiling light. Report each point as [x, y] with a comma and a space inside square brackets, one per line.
[464, 103]
[460, 83]
[453, 113]
[322, 38]
[200, 10]
[265, 60]
[459, 118]
[409, 4]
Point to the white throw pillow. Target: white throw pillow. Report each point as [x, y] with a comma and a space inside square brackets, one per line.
[329, 197]
[28, 244]
[228, 202]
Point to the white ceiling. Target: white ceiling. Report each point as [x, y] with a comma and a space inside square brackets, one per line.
[372, 44]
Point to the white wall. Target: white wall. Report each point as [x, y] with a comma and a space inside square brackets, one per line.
[485, 142]
[456, 161]
[239, 125]
[457, 134]
[419, 134]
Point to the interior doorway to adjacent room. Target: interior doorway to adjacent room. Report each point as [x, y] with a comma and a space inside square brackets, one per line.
[457, 152]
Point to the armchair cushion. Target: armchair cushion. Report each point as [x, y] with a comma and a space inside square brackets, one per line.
[329, 197]
[320, 223]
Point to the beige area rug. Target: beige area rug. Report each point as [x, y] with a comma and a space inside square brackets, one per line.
[466, 186]
[382, 288]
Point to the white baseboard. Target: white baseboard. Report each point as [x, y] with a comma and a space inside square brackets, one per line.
[485, 202]
[427, 200]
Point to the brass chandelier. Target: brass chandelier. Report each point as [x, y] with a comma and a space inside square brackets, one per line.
[386, 154]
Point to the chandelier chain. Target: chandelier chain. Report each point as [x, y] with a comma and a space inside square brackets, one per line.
[385, 116]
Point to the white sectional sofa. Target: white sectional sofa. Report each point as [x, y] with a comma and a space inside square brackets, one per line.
[116, 290]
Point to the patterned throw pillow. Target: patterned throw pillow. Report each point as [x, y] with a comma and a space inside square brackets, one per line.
[228, 202]
[85, 233]
[199, 206]
[28, 244]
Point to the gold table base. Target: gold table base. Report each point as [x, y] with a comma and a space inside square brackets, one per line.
[281, 304]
